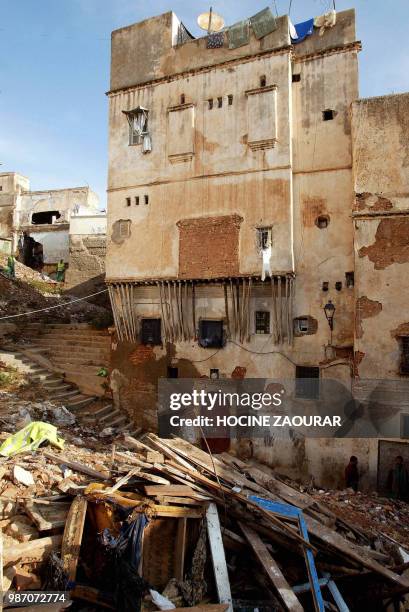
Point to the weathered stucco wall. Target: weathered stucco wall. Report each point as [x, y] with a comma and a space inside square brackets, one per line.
[381, 221]
[11, 185]
[206, 175]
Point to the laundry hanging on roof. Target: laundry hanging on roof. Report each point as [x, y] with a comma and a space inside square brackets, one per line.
[215, 40]
[326, 21]
[293, 31]
[239, 34]
[263, 23]
[303, 29]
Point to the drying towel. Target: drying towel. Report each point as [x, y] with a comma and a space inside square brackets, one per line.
[30, 438]
[263, 23]
[303, 30]
[239, 34]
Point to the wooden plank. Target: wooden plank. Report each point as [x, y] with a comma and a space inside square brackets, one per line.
[202, 459]
[271, 518]
[72, 538]
[34, 550]
[205, 608]
[272, 570]
[315, 528]
[180, 549]
[74, 465]
[218, 558]
[357, 553]
[176, 490]
[119, 483]
[47, 515]
[178, 501]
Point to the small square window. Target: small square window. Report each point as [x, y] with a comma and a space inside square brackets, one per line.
[349, 279]
[136, 200]
[328, 115]
[262, 322]
[151, 331]
[1, 187]
[219, 102]
[182, 99]
[263, 80]
[128, 201]
[210, 334]
[210, 103]
[302, 325]
[307, 383]
[264, 238]
[230, 99]
[296, 78]
[146, 199]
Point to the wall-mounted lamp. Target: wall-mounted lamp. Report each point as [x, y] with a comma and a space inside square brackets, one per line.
[329, 310]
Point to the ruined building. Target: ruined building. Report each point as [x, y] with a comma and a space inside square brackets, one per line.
[36, 225]
[232, 220]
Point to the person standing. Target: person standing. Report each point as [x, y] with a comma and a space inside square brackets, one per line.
[352, 474]
[398, 480]
[11, 266]
[60, 271]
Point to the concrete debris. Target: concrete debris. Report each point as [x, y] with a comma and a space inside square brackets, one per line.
[21, 476]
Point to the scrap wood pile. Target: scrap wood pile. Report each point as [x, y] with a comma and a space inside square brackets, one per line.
[160, 524]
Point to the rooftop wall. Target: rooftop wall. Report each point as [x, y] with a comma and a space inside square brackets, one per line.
[146, 51]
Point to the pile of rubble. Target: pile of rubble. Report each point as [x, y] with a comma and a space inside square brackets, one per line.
[370, 513]
[153, 524]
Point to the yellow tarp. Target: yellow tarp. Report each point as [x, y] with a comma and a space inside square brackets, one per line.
[30, 438]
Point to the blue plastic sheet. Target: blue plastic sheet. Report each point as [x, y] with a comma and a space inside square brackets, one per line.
[303, 29]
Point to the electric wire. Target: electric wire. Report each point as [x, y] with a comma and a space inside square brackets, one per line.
[24, 314]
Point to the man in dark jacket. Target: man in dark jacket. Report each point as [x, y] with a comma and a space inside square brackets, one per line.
[352, 474]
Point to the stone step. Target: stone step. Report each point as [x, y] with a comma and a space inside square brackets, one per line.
[109, 416]
[80, 327]
[62, 386]
[83, 352]
[74, 362]
[118, 421]
[53, 383]
[80, 402]
[70, 393]
[70, 342]
[102, 411]
[49, 377]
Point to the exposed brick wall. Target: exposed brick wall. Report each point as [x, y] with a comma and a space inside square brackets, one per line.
[209, 246]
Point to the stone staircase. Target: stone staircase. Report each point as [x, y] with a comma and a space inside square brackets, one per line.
[86, 408]
[77, 350]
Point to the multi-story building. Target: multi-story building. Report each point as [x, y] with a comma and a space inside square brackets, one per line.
[230, 197]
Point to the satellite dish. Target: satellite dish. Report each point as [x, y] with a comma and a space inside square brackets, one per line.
[211, 22]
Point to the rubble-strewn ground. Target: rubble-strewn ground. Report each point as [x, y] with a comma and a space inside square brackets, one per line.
[31, 290]
[161, 479]
[371, 513]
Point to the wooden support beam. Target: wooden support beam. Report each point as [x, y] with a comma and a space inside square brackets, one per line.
[180, 549]
[218, 559]
[34, 550]
[272, 570]
[72, 538]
